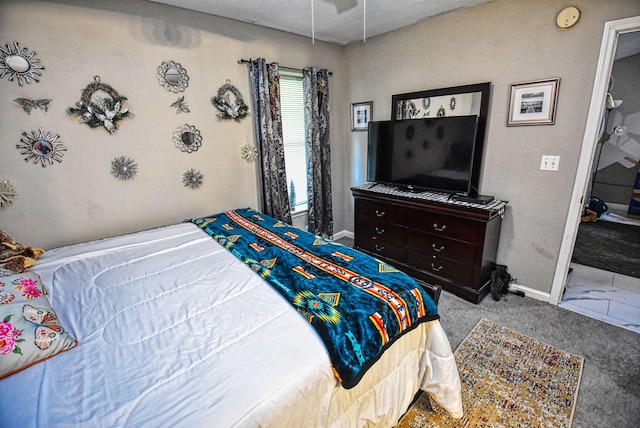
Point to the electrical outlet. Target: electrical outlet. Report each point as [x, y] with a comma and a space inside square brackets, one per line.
[549, 163]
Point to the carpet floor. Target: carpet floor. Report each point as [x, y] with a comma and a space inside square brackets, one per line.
[609, 246]
[508, 379]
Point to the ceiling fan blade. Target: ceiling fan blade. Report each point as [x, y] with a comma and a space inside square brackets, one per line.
[343, 5]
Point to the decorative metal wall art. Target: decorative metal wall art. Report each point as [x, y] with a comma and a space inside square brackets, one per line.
[249, 152]
[96, 110]
[181, 106]
[187, 138]
[192, 178]
[7, 192]
[172, 76]
[41, 147]
[29, 104]
[19, 64]
[123, 168]
[236, 109]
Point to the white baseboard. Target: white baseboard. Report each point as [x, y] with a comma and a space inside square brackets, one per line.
[343, 234]
[530, 292]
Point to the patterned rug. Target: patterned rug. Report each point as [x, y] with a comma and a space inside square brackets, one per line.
[508, 380]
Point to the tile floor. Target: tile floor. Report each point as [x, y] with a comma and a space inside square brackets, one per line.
[607, 296]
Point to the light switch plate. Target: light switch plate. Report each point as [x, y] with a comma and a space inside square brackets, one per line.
[549, 163]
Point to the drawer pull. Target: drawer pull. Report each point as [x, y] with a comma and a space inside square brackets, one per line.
[437, 249]
[436, 269]
[379, 247]
[379, 231]
[439, 229]
[380, 213]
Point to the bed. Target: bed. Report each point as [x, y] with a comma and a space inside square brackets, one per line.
[175, 328]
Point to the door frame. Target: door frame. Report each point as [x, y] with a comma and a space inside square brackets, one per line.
[612, 30]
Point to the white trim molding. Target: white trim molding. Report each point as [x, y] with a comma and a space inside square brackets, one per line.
[612, 30]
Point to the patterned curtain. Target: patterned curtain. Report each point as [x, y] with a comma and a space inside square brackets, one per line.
[265, 98]
[316, 110]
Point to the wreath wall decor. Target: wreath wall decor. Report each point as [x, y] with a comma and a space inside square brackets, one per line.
[7, 192]
[41, 147]
[236, 109]
[124, 168]
[97, 111]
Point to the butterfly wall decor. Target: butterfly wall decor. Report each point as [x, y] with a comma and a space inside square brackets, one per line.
[181, 106]
[29, 104]
[47, 326]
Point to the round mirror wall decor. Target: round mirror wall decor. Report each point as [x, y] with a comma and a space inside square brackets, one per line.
[187, 138]
[7, 192]
[100, 106]
[19, 64]
[172, 76]
[192, 178]
[124, 168]
[234, 109]
[41, 148]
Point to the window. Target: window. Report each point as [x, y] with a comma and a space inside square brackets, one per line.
[294, 135]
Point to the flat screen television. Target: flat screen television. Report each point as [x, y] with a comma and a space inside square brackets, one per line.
[425, 154]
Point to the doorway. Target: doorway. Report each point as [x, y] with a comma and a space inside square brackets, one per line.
[612, 31]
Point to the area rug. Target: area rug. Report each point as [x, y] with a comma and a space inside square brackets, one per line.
[508, 380]
[614, 247]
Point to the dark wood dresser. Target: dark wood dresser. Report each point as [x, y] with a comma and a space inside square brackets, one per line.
[434, 240]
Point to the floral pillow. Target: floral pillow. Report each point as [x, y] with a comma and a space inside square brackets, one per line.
[29, 328]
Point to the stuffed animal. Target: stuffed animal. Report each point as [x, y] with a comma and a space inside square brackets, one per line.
[15, 257]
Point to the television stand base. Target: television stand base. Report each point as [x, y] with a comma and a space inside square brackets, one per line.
[481, 199]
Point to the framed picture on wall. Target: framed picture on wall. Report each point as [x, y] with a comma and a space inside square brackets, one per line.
[361, 115]
[533, 103]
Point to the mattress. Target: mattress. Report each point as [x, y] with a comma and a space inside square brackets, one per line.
[173, 330]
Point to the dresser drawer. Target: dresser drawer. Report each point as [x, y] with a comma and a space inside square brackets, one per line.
[383, 248]
[451, 227]
[382, 230]
[437, 242]
[388, 213]
[441, 267]
[440, 246]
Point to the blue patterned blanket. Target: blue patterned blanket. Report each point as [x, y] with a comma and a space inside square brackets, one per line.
[358, 305]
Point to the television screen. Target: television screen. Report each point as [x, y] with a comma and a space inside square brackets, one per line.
[430, 153]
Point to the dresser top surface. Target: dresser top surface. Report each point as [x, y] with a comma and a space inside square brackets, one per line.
[494, 206]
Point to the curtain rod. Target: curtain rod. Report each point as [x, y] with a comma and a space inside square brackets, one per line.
[246, 61]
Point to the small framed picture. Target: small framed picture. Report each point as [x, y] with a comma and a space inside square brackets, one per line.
[533, 103]
[361, 115]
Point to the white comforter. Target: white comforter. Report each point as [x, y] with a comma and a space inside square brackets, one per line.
[174, 331]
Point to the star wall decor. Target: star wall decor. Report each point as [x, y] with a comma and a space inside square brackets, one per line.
[123, 168]
[192, 178]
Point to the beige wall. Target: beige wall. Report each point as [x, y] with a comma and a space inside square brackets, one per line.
[504, 42]
[124, 42]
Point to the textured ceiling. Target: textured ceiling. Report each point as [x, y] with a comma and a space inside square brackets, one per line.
[336, 21]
